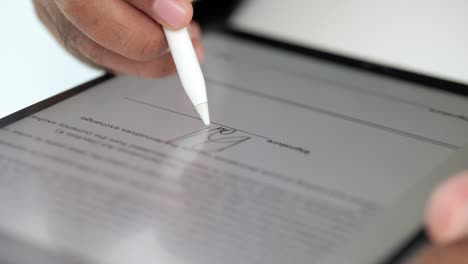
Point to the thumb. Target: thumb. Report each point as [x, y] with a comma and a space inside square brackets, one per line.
[172, 14]
[447, 212]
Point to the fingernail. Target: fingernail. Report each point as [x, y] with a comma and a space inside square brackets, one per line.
[171, 11]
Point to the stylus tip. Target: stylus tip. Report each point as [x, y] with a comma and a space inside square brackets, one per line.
[204, 113]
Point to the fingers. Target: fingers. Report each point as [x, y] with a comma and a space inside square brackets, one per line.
[116, 63]
[56, 27]
[156, 68]
[447, 213]
[173, 14]
[118, 26]
[85, 48]
[116, 34]
[456, 253]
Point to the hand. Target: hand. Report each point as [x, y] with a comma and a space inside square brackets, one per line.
[447, 214]
[455, 253]
[123, 36]
[447, 224]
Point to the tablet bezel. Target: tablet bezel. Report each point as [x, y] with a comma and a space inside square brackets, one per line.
[411, 77]
[32, 109]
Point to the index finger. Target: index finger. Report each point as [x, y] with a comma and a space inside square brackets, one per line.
[172, 14]
[118, 26]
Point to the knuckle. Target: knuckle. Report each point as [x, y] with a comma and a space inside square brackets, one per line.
[92, 51]
[146, 47]
[158, 71]
[73, 8]
[69, 39]
[163, 71]
[37, 3]
[96, 55]
[63, 37]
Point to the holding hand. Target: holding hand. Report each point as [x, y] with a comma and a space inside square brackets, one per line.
[447, 224]
[447, 217]
[123, 36]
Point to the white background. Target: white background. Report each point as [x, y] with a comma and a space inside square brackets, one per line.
[426, 36]
[33, 65]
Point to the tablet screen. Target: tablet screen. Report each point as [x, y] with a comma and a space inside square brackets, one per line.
[300, 157]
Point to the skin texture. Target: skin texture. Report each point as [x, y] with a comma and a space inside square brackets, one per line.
[453, 253]
[122, 36]
[447, 213]
[447, 224]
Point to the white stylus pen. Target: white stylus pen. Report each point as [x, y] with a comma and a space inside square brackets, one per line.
[188, 67]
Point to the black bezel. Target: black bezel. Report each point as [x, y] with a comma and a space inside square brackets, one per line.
[32, 109]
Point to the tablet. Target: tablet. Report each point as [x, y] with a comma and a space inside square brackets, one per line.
[306, 161]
